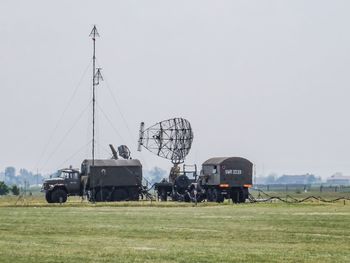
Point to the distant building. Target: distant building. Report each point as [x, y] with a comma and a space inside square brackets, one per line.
[260, 180]
[297, 179]
[338, 179]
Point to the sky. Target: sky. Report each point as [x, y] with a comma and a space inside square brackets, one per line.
[264, 80]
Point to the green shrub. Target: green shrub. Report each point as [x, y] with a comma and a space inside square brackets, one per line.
[15, 190]
[4, 189]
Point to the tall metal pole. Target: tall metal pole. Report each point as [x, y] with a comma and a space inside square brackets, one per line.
[93, 34]
[93, 100]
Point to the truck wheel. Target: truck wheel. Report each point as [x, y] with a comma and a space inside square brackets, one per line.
[119, 195]
[243, 195]
[238, 196]
[59, 196]
[209, 195]
[48, 197]
[102, 195]
[217, 196]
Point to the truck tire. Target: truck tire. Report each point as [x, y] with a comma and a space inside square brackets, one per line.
[239, 196]
[102, 195]
[48, 197]
[243, 195]
[235, 196]
[210, 195]
[119, 195]
[59, 196]
[217, 196]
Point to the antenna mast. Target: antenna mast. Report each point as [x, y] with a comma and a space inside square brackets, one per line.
[96, 77]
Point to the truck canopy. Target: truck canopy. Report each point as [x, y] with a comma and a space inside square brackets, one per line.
[220, 160]
[112, 162]
[111, 173]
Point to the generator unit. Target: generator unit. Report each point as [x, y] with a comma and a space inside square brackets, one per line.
[178, 184]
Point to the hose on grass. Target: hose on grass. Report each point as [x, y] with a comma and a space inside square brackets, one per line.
[292, 200]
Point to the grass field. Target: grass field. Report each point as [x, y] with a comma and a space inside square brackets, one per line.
[33, 231]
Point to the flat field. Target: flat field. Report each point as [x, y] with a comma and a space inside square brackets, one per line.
[33, 231]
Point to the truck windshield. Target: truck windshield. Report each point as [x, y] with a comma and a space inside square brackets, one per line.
[65, 174]
[58, 174]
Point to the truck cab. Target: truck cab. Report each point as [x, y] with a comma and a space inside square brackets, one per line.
[60, 185]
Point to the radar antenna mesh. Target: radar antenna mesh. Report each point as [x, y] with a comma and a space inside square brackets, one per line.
[170, 139]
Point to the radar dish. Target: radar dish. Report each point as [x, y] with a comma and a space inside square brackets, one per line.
[170, 139]
[124, 152]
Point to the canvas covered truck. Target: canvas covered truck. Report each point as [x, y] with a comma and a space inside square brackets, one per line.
[99, 180]
[226, 178]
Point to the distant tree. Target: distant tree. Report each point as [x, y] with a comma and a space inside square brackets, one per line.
[15, 190]
[10, 171]
[23, 177]
[4, 189]
[10, 176]
[29, 177]
[155, 175]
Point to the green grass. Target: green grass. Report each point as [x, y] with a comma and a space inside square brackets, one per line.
[173, 232]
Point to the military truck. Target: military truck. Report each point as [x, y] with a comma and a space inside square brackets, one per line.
[61, 184]
[226, 177]
[99, 180]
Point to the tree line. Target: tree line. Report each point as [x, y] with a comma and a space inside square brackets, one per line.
[5, 189]
[22, 178]
[11, 180]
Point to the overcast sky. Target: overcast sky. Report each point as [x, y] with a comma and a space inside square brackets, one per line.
[265, 80]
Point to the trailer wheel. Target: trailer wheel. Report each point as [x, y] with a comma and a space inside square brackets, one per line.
[48, 197]
[58, 196]
[119, 195]
[187, 197]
